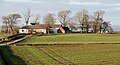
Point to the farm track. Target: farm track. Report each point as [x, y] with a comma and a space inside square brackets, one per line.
[52, 57]
[32, 55]
[56, 57]
[17, 39]
[60, 58]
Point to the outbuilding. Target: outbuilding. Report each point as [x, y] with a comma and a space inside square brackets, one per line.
[33, 29]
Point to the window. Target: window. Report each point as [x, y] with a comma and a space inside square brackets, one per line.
[22, 30]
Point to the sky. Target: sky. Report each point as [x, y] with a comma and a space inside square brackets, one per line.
[111, 7]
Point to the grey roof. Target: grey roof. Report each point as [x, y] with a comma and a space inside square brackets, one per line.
[34, 27]
[41, 26]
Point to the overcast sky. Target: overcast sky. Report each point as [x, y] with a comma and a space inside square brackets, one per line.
[111, 7]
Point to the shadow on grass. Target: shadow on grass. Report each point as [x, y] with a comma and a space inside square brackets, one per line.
[9, 58]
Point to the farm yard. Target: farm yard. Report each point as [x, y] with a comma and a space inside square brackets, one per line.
[64, 49]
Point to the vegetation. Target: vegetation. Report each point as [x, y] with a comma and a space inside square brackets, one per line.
[89, 54]
[49, 21]
[9, 58]
[73, 39]
[10, 22]
[64, 17]
[4, 35]
[82, 20]
[28, 15]
[82, 17]
[1, 60]
[97, 54]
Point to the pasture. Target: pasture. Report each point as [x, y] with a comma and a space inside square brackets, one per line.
[94, 54]
[73, 39]
[4, 35]
[64, 49]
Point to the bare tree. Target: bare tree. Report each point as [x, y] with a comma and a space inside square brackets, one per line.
[37, 17]
[64, 17]
[73, 24]
[98, 15]
[5, 27]
[11, 21]
[82, 17]
[27, 15]
[49, 21]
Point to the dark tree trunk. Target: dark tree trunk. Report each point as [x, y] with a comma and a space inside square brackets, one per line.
[87, 28]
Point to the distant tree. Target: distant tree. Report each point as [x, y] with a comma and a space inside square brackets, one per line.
[98, 15]
[106, 27]
[73, 24]
[11, 21]
[37, 17]
[49, 21]
[64, 17]
[5, 26]
[82, 17]
[4, 29]
[27, 15]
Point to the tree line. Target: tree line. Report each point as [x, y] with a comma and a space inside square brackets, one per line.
[82, 20]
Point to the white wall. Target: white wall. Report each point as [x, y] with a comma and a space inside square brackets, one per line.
[37, 30]
[23, 31]
[44, 30]
[40, 30]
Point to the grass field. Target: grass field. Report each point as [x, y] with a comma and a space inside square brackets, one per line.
[73, 39]
[4, 35]
[95, 54]
[72, 54]
[1, 61]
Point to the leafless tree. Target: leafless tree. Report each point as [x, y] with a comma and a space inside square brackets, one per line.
[98, 15]
[5, 27]
[27, 15]
[73, 24]
[49, 21]
[11, 21]
[37, 17]
[64, 17]
[82, 17]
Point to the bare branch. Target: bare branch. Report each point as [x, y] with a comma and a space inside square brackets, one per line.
[27, 16]
[37, 18]
[10, 21]
[49, 21]
[64, 17]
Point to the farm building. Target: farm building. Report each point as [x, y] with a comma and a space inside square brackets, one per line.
[64, 30]
[38, 28]
[33, 29]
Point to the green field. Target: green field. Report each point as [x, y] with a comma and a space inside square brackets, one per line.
[95, 54]
[1, 61]
[68, 49]
[4, 35]
[73, 39]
